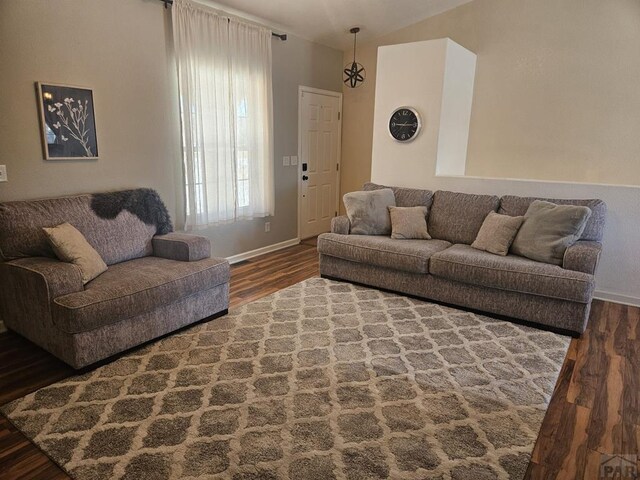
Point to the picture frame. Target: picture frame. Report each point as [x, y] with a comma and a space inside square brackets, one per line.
[67, 122]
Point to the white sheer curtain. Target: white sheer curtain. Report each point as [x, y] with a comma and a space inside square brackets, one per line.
[224, 80]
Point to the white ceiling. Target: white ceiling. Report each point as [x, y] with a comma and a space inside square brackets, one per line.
[328, 21]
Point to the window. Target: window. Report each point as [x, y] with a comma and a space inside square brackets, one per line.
[224, 79]
[242, 163]
[242, 156]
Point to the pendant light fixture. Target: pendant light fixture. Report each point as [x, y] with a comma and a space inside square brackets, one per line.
[354, 73]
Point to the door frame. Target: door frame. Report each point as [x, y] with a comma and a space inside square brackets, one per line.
[303, 89]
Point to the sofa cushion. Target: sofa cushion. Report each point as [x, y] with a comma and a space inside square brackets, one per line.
[548, 230]
[406, 255]
[594, 230]
[405, 197]
[118, 225]
[497, 233]
[368, 212]
[457, 217]
[465, 264]
[135, 287]
[409, 222]
[70, 246]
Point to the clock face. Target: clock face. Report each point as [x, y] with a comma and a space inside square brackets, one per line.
[404, 124]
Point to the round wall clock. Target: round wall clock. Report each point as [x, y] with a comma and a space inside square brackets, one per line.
[404, 124]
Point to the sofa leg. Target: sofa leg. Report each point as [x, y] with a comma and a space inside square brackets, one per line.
[221, 313]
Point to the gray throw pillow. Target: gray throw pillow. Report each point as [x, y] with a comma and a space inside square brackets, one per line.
[368, 212]
[409, 222]
[548, 230]
[497, 233]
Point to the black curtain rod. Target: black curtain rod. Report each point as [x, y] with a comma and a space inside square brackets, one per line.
[281, 36]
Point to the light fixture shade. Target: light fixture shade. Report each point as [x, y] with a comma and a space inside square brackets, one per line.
[354, 74]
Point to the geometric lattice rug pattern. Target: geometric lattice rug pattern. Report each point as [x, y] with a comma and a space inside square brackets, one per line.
[322, 380]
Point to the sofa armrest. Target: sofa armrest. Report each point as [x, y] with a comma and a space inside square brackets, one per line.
[60, 278]
[181, 246]
[340, 225]
[29, 285]
[582, 256]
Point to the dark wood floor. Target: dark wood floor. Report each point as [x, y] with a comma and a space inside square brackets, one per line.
[595, 409]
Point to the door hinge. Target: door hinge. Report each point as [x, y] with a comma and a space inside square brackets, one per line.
[337, 167]
[338, 115]
[335, 214]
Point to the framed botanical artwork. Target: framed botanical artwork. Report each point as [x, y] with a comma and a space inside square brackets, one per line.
[67, 122]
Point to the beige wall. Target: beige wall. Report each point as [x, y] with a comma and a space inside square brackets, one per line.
[122, 49]
[532, 115]
[119, 50]
[556, 90]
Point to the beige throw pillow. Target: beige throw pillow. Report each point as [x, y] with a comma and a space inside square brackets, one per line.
[71, 246]
[548, 230]
[409, 222]
[497, 233]
[367, 211]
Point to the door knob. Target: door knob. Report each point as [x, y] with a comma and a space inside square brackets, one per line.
[305, 177]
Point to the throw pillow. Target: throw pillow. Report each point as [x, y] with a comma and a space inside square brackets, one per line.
[368, 211]
[497, 233]
[409, 222]
[70, 246]
[548, 230]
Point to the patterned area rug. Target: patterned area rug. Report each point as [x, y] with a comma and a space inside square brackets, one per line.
[321, 380]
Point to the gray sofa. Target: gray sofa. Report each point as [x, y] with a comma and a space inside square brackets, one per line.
[446, 269]
[156, 282]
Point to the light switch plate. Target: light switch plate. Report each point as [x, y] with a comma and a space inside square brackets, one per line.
[3, 173]
[286, 161]
[294, 160]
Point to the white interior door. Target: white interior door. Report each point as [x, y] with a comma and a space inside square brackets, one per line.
[319, 151]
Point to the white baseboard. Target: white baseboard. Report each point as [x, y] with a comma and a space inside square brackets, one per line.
[241, 257]
[617, 298]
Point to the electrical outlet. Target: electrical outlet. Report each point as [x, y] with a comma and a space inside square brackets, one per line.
[286, 161]
[3, 173]
[294, 160]
[267, 226]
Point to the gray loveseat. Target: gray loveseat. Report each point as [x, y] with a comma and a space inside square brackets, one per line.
[446, 269]
[156, 281]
